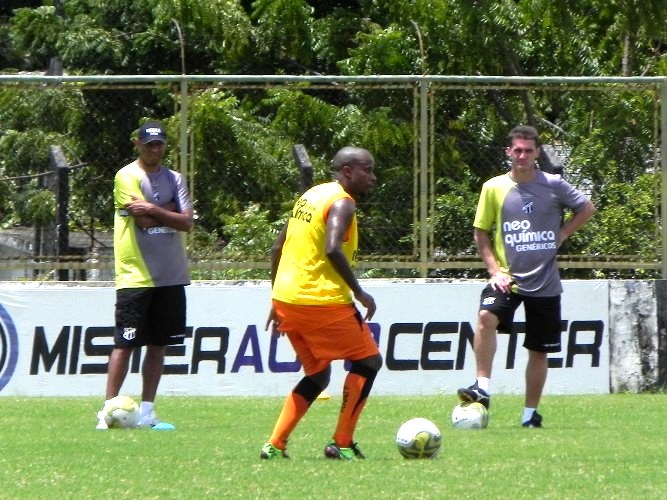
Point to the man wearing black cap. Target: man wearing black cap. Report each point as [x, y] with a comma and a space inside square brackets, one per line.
[153, 213]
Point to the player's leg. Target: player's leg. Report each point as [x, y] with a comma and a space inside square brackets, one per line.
[119, 363]
[295, 406]
[356, 389]
[543, 335]
[485, 342]
[164, 320]
[129, 311]
[496, 311]
[151, 371]
[317, 372]
[355, 337]
[536, 376]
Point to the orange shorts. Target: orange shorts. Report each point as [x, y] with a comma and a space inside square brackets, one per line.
[321, 334]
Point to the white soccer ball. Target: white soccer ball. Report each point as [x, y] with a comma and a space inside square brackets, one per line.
[470, 416]
[418, 438]
[121, 412]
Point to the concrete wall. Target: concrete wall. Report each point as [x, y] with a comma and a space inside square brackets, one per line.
[637, 338]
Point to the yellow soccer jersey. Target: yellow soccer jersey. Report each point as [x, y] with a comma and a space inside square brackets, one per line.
[524, 220]
[305, 275]
[154, 256]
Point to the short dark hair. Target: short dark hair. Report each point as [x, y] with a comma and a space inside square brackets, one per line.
[525, 132]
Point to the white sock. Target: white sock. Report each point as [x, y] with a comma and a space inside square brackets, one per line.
[146, 408]
[103, 408]
[528, 414]
[484, 383]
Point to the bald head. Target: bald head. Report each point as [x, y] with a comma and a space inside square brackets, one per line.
[353, 168]
[351, 156]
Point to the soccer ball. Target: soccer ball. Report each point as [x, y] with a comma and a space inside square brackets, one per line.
[470, 416]
[121, 412]
[418, 438]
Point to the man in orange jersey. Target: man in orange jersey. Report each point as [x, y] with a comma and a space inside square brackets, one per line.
[313, 295]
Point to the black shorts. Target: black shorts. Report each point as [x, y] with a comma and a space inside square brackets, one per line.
[150, 316]
[543, 318]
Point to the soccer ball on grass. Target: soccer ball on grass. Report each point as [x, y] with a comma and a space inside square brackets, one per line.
[470, 416]
[418, 438]
[121, 412]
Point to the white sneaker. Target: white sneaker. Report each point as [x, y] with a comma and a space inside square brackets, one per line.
[101, 421]
[149, 420]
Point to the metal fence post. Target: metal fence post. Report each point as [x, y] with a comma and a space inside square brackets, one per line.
[61, 168]
[663, 171]
[423, 177]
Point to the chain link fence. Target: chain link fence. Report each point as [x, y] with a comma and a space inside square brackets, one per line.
[249, 146]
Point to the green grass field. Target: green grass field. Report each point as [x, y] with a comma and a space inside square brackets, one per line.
[591, 447]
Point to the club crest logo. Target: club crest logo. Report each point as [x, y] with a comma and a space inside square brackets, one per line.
[129, 333]
[527, 207]
[9, 347]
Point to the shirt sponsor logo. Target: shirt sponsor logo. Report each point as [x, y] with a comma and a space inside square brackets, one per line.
[160, 230]
[519, 237]
[303, 211]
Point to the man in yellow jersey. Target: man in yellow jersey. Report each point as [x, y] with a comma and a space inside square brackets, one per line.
[153, 213]
[313, 295]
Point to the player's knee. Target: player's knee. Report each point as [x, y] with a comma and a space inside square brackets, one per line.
[321, 379]
[122, 353]
[376, 362]
[487, 321]
[368, 367]
[309, 388]
[538, 356]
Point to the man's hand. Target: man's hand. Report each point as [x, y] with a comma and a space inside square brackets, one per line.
[138, 207]
[501, 281]
[273, 322]
[368, 302]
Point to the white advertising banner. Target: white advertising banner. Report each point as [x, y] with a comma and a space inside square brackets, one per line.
[55, 341]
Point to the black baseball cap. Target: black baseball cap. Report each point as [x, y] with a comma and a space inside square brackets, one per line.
[152, 131]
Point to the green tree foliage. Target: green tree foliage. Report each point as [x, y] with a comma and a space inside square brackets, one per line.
[284, 29]
[244, 137]
[251, 231]
[35, 33]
